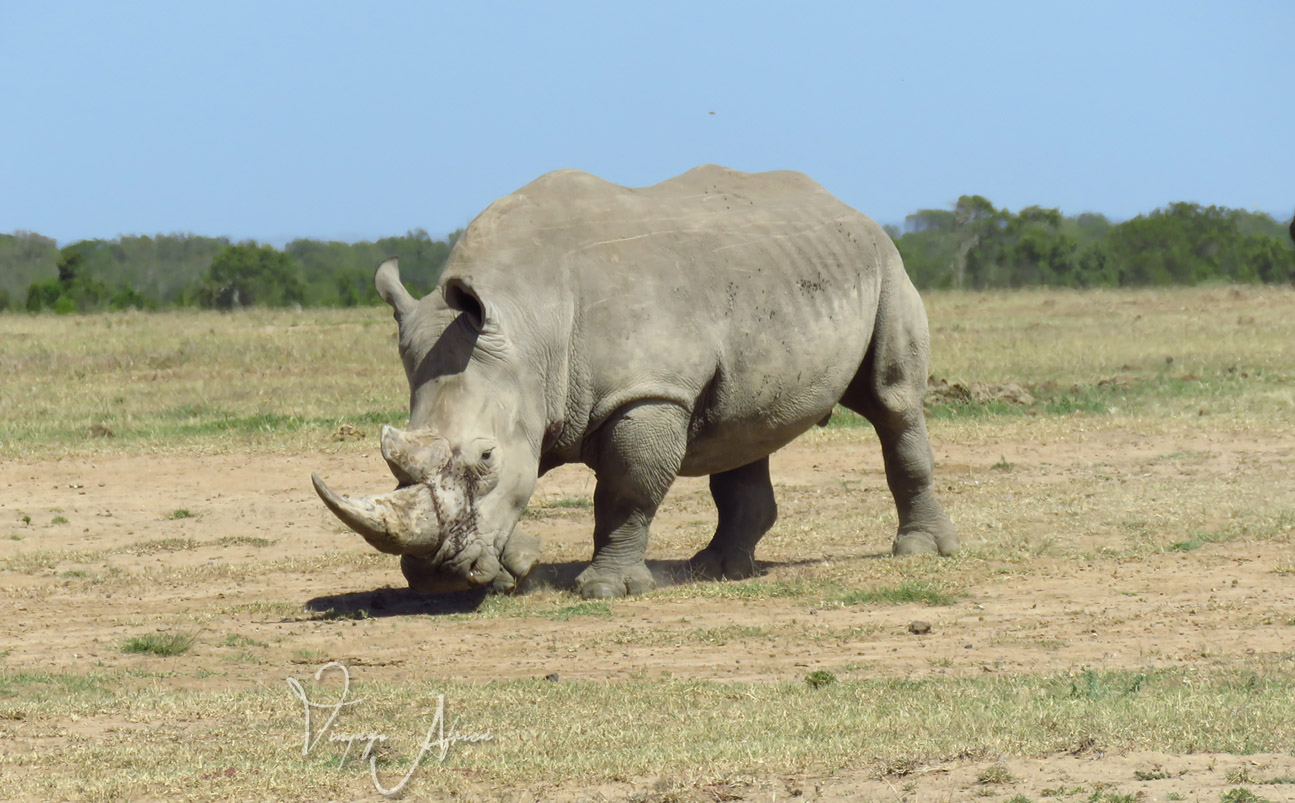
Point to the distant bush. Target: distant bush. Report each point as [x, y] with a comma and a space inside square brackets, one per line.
[976, 245]
[76, 290]
[247, 275]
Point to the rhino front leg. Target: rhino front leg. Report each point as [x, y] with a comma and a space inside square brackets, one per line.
[637, 455]
[747, 510]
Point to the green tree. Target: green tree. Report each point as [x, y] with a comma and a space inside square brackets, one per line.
[1269, 259]
[1038, 250]
[25, 258]
[978, 235]
[75, 289]
[43, 295]
[248, 275]
[927, 247]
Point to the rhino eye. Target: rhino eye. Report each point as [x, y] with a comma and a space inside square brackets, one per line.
[486, 455]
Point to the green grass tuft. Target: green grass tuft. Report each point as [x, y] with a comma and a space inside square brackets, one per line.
[590, 608]
[1150, 775]
[1241, 795]
[762, 589]
[847, 419]
[163, 644]
[908, 592]
[1199, 540]
[994, 775]
[243, 540]
[156, 545]
[820, 678]
[235, 640]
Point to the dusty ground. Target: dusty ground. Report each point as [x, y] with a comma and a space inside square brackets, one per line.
[1145, 611]
[120, 566]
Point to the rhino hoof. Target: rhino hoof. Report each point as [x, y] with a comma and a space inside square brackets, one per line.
[610, 584]
[712, 564]
[921, 543]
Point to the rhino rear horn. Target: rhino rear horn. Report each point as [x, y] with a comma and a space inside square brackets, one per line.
[402, 522]
[412, 458]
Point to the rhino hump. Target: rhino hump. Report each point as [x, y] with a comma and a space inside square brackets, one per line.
[569, 217]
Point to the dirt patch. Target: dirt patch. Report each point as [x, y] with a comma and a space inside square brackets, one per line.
[942, 391]
[1132, 776]
[237, 551]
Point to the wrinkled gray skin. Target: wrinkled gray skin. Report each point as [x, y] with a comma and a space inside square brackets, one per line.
[688, 328]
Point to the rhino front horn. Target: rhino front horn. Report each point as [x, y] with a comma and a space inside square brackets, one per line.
[402, 522]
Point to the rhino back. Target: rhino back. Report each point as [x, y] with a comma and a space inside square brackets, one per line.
[748, 298]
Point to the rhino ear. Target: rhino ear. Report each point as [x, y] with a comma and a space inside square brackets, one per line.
[462, 296]
[392, 290]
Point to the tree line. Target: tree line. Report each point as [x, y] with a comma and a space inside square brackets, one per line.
[186, 270]
[973, 245]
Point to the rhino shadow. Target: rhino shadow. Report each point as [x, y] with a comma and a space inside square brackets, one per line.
[382, 602]
[387, 601]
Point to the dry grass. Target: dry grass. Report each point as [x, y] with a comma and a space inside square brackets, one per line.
[1081, 337]
[286, 381]
[1034, 489]
[141, 382]
[213, 744]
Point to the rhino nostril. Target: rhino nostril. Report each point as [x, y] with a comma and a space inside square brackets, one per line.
[483, 570]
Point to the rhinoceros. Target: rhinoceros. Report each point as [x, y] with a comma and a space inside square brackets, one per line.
[688, 328]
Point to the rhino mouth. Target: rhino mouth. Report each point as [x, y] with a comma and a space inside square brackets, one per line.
[519, 555]
[431, 520]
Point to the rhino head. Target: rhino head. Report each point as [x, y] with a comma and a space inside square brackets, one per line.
[469, 462]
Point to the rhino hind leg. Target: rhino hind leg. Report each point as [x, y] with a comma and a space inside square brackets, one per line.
[889, 390]
[637, 455]
[747, 510]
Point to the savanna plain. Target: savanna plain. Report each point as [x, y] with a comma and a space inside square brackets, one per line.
[1119, 625]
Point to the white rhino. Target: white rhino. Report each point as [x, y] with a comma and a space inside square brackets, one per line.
[689, 328]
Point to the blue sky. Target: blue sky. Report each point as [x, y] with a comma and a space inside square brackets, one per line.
[274, 120]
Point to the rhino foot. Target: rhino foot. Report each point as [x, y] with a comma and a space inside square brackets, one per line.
[715, 564]
[597, 582]
[919, 542]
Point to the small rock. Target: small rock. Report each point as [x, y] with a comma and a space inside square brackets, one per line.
[919, 628]
[552, 677]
